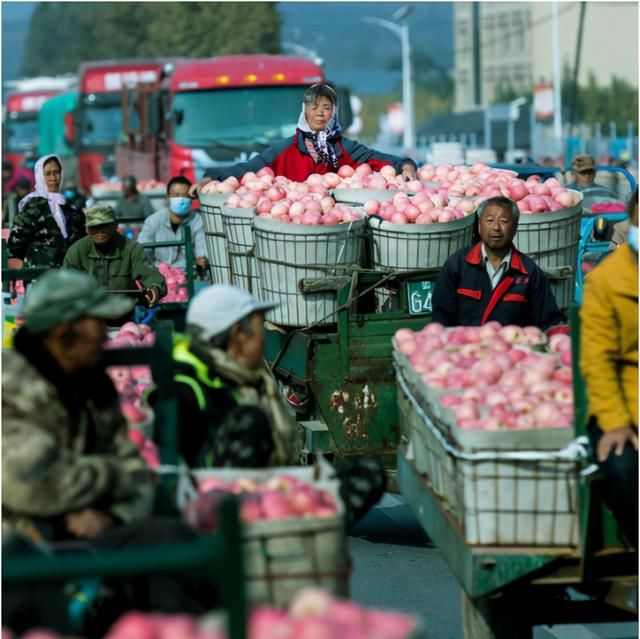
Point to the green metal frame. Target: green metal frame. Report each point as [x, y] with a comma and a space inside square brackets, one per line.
[217, 557]
[347, 367]
[481, 570]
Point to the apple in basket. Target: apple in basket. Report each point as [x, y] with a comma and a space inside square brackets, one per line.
[270, 623]
[211, 483]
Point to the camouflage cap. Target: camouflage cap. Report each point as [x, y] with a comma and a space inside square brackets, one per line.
[62, 295]
[583, 163]
[100, 214]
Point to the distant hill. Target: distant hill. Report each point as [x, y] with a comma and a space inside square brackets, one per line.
[15, 25]
[334, 29]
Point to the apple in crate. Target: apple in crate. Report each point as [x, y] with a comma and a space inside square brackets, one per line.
[211, 483]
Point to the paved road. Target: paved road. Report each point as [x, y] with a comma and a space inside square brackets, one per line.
[397, 567]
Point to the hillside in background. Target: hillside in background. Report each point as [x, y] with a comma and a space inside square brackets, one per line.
[334, 30]
[337, 32]
[15, 26]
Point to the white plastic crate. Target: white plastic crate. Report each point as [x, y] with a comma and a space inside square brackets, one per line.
[238, 230]
[501, 497]
[415, 246]
[284, 555]
[551, 241]
[217, 253]
[289, 253]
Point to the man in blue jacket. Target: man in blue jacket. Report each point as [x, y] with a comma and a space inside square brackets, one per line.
[492, 280]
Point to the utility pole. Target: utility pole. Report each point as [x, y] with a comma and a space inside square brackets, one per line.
[557, 79]
[402, 32]
[576, 66]
[477, 52]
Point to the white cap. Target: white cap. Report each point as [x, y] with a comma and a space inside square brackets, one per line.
[217, 308]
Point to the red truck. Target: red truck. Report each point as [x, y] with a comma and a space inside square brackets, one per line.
[20, 134]
[213, 112]
[98, 117]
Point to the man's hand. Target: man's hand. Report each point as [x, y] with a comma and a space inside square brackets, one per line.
[197, 186]
[14, 262]
[408, 172]
[152, 295]
[616, 440]
[87, 523]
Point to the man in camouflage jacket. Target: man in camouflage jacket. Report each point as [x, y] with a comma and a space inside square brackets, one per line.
[68, 467]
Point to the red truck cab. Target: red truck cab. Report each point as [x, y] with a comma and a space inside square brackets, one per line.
[20, 134]
[98, 117]
[213, 112]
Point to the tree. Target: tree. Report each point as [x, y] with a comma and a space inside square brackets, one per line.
[114, 30]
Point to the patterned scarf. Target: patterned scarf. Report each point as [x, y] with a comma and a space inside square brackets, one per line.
[322, 140]
[55, 200]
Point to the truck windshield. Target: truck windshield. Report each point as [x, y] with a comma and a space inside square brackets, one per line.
[21, 133]
[100, 125]
[236, 117]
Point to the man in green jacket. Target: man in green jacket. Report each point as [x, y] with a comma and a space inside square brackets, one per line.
[114, 260]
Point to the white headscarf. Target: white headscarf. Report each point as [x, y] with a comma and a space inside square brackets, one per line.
[56, 200]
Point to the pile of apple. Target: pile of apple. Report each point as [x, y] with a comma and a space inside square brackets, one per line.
[494, 381]
[314, 613]
[143, 185]
[175, 280]
[426, 207]
[482, 182]
[131, 384]
[132, 334]
[284, 200]
[279, 497]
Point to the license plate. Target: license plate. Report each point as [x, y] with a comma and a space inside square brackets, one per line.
[419, 295]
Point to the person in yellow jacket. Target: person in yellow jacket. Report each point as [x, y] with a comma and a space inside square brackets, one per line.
[609, 364]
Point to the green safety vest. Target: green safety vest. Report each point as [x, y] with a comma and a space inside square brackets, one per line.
[183, 355]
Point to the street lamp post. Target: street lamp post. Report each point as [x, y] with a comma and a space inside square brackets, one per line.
[402, 31]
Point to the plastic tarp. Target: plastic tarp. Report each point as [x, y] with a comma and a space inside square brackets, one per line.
[51, 129]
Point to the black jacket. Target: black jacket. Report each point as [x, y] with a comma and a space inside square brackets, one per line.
[463, 294]
[214, 429]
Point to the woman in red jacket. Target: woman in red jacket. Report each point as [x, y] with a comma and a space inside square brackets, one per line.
[316, 147]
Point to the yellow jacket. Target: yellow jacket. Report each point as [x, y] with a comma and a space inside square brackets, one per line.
[609, 340]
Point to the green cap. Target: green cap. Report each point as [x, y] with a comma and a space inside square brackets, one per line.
[62, 295]
[100, 214]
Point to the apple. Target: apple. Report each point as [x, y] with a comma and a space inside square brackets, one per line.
[275, 505]
[211, 483]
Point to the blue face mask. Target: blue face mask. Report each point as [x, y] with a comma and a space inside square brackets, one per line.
[632, 238]
[180, 205]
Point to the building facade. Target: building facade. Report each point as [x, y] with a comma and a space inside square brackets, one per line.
[514, 51]
[502, 56]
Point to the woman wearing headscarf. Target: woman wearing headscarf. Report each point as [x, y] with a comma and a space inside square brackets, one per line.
[316, 147]
[46, 225]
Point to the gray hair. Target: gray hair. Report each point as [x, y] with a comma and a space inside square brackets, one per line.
[317, 91]
[503, 202]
